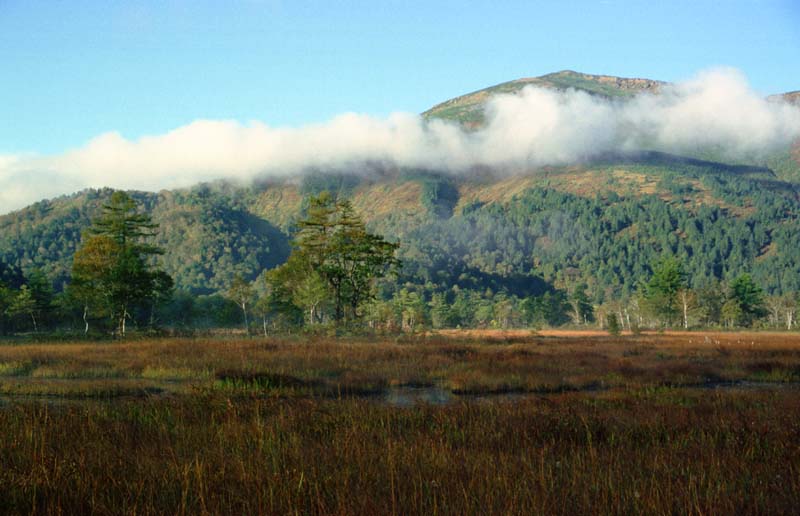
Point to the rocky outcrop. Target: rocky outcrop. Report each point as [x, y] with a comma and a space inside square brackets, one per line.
[793, 97]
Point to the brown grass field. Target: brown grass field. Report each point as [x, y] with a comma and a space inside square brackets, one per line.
[453, 423]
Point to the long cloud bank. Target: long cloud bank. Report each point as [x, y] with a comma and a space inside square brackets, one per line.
[717, 109]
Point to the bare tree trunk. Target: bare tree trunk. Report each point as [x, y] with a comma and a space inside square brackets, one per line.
[246, 322]
[86, 319]
[686, 299]
[264, 323]
[685, 312]
[576, 312]
[774, 310]
[152, 315]
[35, 326]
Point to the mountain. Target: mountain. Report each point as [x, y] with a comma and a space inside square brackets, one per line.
[793, 97]
[600, 223]
[468, 109]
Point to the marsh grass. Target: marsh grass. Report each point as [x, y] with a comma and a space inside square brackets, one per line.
[18, 368]
[653, 451]
[79, 388]
[362, 366]
[174, 373]
[533, 424]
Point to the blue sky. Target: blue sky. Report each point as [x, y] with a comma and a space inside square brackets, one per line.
[74, 69]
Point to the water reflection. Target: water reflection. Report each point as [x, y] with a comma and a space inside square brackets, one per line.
[408, 396]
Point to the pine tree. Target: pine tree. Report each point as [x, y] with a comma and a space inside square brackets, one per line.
[749, 298]
[334, 244]
[24, 304]
[111, 272]
[661, 292]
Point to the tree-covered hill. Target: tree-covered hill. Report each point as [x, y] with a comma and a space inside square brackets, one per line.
[208, 234]
[601, 223]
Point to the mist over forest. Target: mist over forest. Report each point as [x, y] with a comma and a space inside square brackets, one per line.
[716, 111]
[537, 202]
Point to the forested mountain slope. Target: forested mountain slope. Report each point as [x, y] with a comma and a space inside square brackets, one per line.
[601, 223]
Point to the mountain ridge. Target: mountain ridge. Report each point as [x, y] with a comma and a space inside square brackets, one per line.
[466, 108]
[477, 229]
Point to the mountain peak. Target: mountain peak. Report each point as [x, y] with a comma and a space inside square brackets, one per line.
[578, 80]
[468, 109]
[792, 96]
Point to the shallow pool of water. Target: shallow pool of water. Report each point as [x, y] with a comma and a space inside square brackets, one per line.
[409, 396]
[406, 396]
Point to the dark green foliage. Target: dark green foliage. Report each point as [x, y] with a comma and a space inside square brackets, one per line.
[337, 185]
[23, 304]
[121, 222]
[748, 221]
[215, 311]
[46, 234]
[710, 299]
[209, 238]
[441, 313]
[207, 234]
[661, 291]
[785, 165]
[189, 312]
[612, 241]
[31, 306]
[612, 323]
[583, 312]
[335, 260]
[747, 299]
[10, 276]
[551, 309]
[112, 272]
[439, 196]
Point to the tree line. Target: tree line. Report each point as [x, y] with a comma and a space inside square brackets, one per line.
[721, 221]
[339, 275]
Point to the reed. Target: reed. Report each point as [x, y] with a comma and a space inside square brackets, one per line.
[636, 453]
[656, 424]
[323, 366]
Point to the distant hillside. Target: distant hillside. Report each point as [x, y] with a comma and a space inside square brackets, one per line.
[468, 109]
[600, 223]
[207, 233]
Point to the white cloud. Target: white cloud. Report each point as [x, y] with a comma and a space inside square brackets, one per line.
[535, 127]
[717, 108]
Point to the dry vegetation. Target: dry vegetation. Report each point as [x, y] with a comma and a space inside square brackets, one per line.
[464, 362]
[655, 424]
